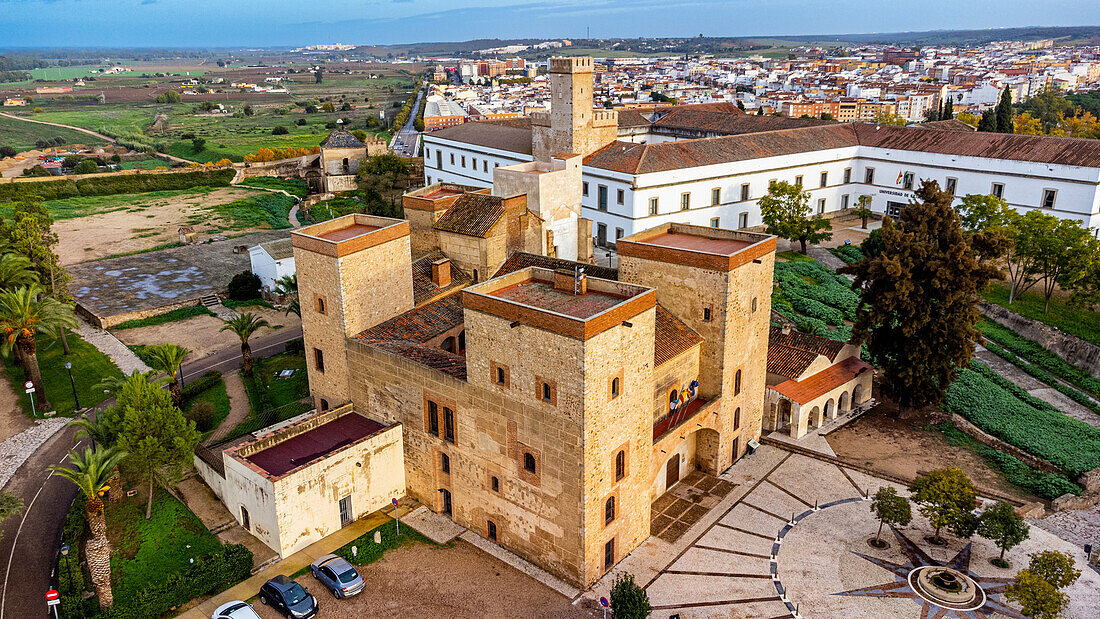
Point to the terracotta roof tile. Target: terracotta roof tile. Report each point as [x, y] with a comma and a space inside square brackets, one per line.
[420, 324]
[490, 134]
[671, 336]
[472, 214]
[433, 357]
[725, 123]
[787, 361]
[805, 341]
[521, 260]
[424, 289]
[823, 382]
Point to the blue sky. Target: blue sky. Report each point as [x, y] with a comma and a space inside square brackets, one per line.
[187, 23]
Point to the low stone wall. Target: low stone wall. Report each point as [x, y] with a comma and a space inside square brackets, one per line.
[1070, 348]
[106, 322]
[996, 443]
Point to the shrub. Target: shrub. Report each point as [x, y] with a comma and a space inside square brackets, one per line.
[301, 122]
[628, 600]
[86, 167]
[816, 309]
[244, 285]
[200, 384]
[202, 413]
[279, 130]
[7, 151]
[848, 253]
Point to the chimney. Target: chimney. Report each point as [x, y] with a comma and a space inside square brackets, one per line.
[572, 282]
[785, 329]
[441, 272]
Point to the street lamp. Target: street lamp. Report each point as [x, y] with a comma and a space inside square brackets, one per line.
[72, 381]
[69, 568]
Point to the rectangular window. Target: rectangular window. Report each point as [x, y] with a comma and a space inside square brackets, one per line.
[998, 190]
[798, 180]
[715, 196]
[473, 163]
[484, 166]
[744, 191]
[1048, 198]
[714, 222]
[952, 183]
[824, 179]
[500, 376]
[618, 233]
[869, 176]
[448, 425]
[743, 220]
[445, 464]
[584, 188]
[620, 195]
[492, 530]
[821, 206]
[319, 360]
[464, 161]
[601, 197]
[609, 554]
[907, 180]
[653, 206]
[452, 158]
[433, 418]
[844, 201]
[685, 201]
[706, 314]
[494, 483]
[847, 175]
[429, 181]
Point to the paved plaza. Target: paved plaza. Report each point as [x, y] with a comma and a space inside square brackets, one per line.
[745, 558]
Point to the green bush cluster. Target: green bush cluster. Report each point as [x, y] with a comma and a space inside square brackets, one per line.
[816, 309]
[159, 319]
[1036, 354]
[110, 185]
[71, 583]
[824, 285]
[1035, 371]
[216, 572]
[1044, 485]
[200, 384]
[271, 210]
[848, 253]
[368, 552]
[1009, 413]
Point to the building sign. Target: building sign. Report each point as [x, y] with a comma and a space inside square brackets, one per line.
[900, 194]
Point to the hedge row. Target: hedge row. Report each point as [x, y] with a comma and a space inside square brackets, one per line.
[115, 184]
[1036, 354]
[1044, 485]
[200, 384]
[1035, 371]
[220, 570]
[1009, 413]
[816, 309]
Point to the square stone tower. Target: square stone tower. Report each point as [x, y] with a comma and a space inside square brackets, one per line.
[718, 282]
[571, 126]
[353, 273]
[577, 352]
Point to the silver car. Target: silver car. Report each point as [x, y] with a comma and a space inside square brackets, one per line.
[235, 610]
[337, 575]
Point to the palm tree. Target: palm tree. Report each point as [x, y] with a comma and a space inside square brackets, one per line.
[113, 384]
[168, 358]
[16, 270]
[288, 285]
[244, 326]
[91, 472]
[23, 314]
[97, 431]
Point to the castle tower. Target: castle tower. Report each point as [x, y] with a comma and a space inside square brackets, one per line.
[571, 126]
[353, 273]
[578, 352]
[718, 282]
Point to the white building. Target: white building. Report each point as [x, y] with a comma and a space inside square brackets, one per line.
[710, 164]
[272, 261]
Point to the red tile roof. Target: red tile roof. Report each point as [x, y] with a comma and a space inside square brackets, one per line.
[671, 336]
[521, 260]
[420, 324]
[490, 134]
[472, 214]
[424, 289]
[823, 382]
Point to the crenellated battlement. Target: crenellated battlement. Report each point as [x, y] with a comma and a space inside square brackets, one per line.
[577, 64]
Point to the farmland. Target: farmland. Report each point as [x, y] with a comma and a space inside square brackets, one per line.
[22, 135]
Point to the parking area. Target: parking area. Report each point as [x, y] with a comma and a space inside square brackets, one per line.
[451, 580]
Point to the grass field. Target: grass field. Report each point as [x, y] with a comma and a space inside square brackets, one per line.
[115, 118]
[1083, 323]
[89, 367]
[83, 206]
[22, 135]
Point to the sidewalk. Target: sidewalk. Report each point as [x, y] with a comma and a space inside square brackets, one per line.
[301, 559]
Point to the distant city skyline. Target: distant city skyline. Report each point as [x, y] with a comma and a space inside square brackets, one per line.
[239, 23]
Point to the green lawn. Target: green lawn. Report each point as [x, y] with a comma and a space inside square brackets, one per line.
[215, 395]
[293, 186]
[83, 206]
[114, 117]
[1083, 323]
[89, 367]
[272, 399]
[794, 256]
[236, 147]
[148, 551]
[22, 135]
[172, 316]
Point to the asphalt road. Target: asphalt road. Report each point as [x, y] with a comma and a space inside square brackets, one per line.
[408, 135]
[31, 541]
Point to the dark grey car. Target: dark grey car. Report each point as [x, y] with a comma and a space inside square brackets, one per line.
[288, 597]
[337, 575]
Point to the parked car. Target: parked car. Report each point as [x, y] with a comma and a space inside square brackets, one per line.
[288, 597]
[337, 575]
[235, 610]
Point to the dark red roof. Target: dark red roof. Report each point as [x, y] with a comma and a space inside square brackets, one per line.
[420, 324]
[671, 336]
[281, 458]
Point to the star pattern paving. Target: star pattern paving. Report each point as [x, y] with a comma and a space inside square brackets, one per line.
[900, 588]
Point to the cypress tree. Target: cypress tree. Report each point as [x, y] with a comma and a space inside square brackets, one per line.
[1004, 112]
[988, 121]
[948, 110]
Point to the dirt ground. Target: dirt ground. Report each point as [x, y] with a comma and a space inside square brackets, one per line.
[12, 418]
[842, 231]
[442, 581]
[156, 223]
[902, 447]
[202, 334]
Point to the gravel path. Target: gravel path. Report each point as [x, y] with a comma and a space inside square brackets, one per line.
[15, 451]
[109, 345]
[1078, 526]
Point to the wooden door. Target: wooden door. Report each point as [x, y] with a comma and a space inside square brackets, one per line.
[672, 471]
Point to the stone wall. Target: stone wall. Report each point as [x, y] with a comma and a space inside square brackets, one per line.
[1070, 348]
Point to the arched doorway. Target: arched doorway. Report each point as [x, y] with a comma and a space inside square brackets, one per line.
[708, 453]
[815, 418]
[449, 344]
[246, 522]
[313, 179]
[830, 411]
[843, 406]
[857, 395]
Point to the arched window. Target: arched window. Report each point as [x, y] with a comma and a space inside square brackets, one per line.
[615, 387]
[546, 392]
[528, 462]
[445, 463]
[475, 276]
[609, 510]
[462, 341]
[737, 383]
[449, 344]
[620, 465]
[754, 304]
[500, 375]
[673, 396]
[737, 418]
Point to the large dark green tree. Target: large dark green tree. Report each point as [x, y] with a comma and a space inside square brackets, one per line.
[988, 121]
[948, 110]
[919, 298]
[1004, 112]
